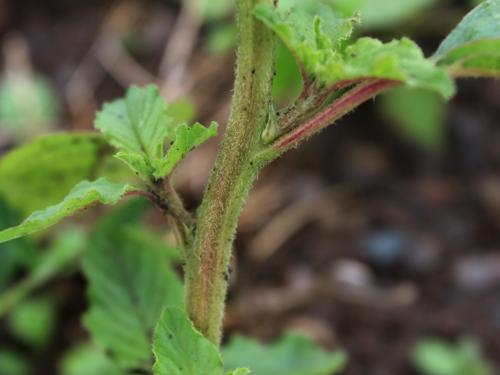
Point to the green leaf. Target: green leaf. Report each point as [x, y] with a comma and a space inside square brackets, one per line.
[473, 47]
[239, 371]
[213, 10]
[186, 139]
[182, 110]
[58, 258]
[88, 360]
[129, 285]
[139, 126]
[34, 321]
[28, 104]
[382, 14]
[180, 349]
[154, 240]
[316, 35]
[418, 113]
[291, 355]
[65, 248]
[287, 83]
[17, 254]
[82, 195]
[11, 363]
[221, 38]
[40, 173]
[436, 357]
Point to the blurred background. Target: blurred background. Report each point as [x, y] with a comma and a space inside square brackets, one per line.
[380, 236]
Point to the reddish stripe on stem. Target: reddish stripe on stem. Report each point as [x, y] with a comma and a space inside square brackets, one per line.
[336, 110]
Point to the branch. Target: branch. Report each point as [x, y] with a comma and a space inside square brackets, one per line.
[336, 110]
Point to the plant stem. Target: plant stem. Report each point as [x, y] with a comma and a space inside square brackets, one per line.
[163, 194]
[207, 264]
[343, 105]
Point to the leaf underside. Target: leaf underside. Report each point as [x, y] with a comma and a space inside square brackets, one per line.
[473, 47]
[81, 196]
[318, 37]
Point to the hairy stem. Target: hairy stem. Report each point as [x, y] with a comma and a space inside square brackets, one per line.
[163, 194]
[207, 263]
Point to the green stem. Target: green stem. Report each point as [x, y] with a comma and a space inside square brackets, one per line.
[207, 264]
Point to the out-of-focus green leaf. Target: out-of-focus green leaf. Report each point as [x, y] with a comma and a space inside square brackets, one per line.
[129, 285]
[42, 172]
[81, 196]
[14, 254]
[28, 105]
[378, 14]
[418, 113]
[222, 38]
[180, 349]
[436, 357]
[182, 110]
[153, 240]
[88, 360]
[66, 247]
[129, 213]
[291, 355]
[473, 47]
[12, 363]
[211, 10]
[316, 35]
[139, 126]
[34, 321]
[57, 258]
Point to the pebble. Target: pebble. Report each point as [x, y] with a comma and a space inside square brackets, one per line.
[385, 247]
[477, 273]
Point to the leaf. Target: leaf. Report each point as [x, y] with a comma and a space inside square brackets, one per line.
[28, 104]
[473, 47]
[182, 110]
[17, 254]
[186, 139]
[316, 35]
[11, 363]
[287, 83]
[213, 10]
[291, 355]
[40, 173]
[87, 360]
[59, 257]
[180, 349]
[82, 195]
[139, 126]
[152, 239]
[129, 285]
[64, 249]
[221, 39]
[436, 357]
[382, 14]
[34, 321]
[418, 113]
[239, 371]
